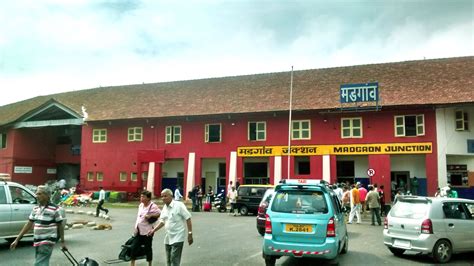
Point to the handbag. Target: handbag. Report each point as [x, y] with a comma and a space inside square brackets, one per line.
[151, 220]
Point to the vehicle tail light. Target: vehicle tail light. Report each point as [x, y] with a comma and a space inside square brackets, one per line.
[427, 227]
[331, 229]
[385, 223]
[261, 208]
[268, 224]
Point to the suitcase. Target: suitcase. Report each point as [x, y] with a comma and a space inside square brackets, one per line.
[127, 250]
[84, 262]
[206, 206]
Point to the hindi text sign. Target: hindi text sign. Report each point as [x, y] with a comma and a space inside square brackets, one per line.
[363, 92]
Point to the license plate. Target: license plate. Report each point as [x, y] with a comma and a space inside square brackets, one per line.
[401, 243]
[305, 228]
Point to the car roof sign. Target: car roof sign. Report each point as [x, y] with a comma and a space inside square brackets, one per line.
[300, 184]
[303, 181]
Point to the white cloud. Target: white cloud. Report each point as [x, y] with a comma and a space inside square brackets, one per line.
[53, 46]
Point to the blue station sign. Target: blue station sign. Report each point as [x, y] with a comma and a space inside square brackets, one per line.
[363, 92]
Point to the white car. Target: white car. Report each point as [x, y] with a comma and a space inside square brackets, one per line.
[435, 226]
[16, 203]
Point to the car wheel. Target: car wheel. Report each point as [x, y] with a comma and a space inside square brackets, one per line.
[244, 210]
[261, 231]
[397, 251]
[270, 261]
[442, 251]
[346, 245]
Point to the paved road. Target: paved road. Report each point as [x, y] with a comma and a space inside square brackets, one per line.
[219, 240]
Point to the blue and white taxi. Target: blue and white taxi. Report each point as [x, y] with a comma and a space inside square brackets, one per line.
[305, 219]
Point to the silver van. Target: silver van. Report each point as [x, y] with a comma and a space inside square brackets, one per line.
[16, 204]
[435, 226]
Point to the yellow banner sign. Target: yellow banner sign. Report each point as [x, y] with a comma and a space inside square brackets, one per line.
[351, 149]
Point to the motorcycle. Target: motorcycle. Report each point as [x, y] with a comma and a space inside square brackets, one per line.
[220, 202]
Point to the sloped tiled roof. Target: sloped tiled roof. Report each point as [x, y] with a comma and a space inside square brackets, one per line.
[424, 82]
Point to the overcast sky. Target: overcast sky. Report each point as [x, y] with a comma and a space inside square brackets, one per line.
[50, 46]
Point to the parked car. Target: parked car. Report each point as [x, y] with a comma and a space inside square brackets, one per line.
[304, 219]
[16, 204]
[262, 210]
[439, 227]
[249, 197]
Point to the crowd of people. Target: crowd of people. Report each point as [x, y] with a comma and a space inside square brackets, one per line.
[356, 200]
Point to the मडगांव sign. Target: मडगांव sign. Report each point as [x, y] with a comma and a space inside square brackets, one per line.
[364, 92]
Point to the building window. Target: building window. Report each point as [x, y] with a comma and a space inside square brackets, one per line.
[99, 135]
[300, 129]
[213, 133]
[257, 131]
[351, 127]
[100, 176]
[144, 176]
[123, 176]
[135, 134]
[90, 176]
[173, 134]
[462, 121]
[3, 140]
[409, 125]
[302, 165]
[133, 176]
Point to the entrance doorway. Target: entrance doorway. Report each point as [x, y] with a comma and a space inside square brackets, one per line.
[70, 173]
[399, 180]
[345, 171]
[256, 173]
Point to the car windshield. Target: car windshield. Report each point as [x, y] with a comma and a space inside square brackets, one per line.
[306, 202]
[410, 209]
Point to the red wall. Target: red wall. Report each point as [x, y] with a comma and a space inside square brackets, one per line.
[120, 155]
[34, 147]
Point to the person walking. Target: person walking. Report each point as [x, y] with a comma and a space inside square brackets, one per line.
[101, 203]
[346, 201]
[232, 196]
[373, 201]
[382, 201]
[46, 221]
[362, 195]
[355, 204]
[414, 186]
[229, 187]
[338, 190]
[199, 198]
[192, 194]
[177, 194]
[174, 218]
[210, 196]
[148, 213]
